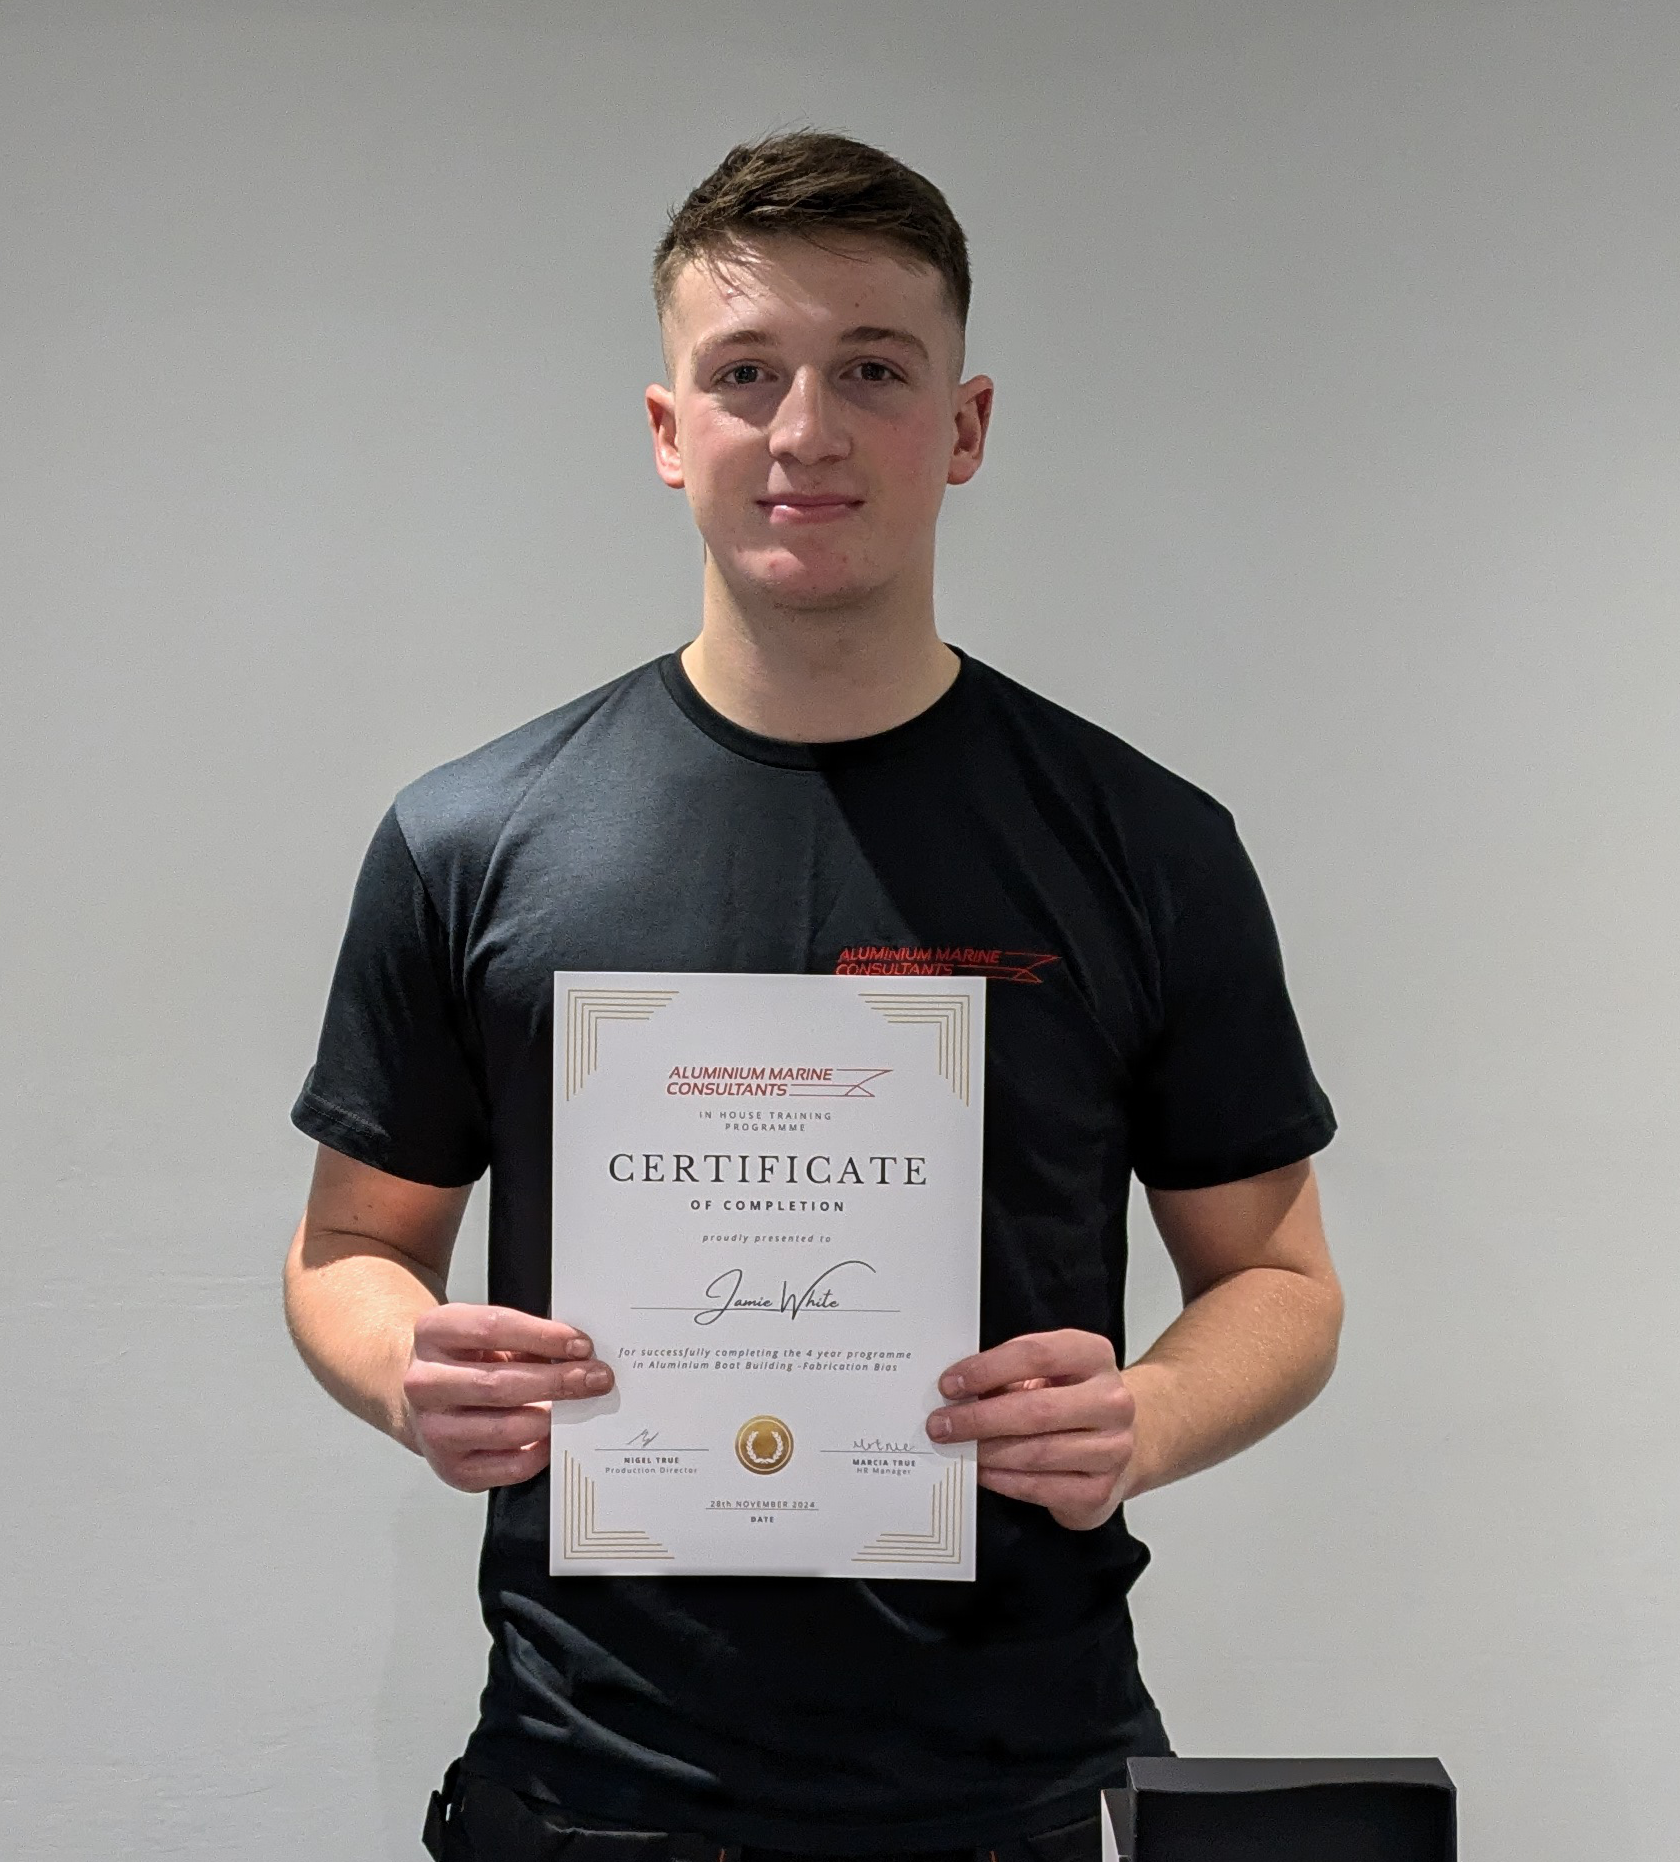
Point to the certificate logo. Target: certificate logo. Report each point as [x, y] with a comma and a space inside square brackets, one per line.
[747, 1082]
[764, 1445]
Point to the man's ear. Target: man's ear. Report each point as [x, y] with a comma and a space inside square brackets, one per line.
[973, 416]
[662, 421]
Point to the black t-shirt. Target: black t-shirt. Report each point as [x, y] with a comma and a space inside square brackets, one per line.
[1137, 1021]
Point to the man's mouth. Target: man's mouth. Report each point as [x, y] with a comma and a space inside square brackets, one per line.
[807, 508]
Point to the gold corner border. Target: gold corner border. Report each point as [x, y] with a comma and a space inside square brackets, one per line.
[949, 1014]
[942, 1543]
[581, 1537]
[585, 1011]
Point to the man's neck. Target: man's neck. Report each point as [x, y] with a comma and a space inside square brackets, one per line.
[817, 677]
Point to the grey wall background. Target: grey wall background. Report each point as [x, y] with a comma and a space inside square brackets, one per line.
[1334, 464]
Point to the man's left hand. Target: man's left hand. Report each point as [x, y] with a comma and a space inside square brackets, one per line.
[1053, 1418]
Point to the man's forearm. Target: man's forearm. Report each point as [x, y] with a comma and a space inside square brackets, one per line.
[351, 1304]
[1242, 1358]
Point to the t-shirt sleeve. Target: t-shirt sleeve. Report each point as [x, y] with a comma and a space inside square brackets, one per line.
[395, 1084]
[1227, 1090]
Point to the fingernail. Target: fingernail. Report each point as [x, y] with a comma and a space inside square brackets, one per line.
[578, 1348]
[597, 1380]
[939, 1426]
[951, 1384]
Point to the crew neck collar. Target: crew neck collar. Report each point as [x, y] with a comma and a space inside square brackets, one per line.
[783, 753]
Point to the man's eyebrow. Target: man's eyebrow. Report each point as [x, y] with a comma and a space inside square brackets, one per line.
[858, 333]
[727, 339]
[885, 333]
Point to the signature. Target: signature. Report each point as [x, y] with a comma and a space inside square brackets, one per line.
[882, 1445]
[643, 1438]
[725, 1292]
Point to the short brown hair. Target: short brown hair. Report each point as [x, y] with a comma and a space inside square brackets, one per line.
[808, 182]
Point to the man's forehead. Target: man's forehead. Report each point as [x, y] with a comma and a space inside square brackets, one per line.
[834, 286]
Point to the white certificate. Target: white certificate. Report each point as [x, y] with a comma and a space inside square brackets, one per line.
[767, 1217]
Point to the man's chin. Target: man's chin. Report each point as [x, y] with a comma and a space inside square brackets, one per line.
[847, 601]
[799, 590]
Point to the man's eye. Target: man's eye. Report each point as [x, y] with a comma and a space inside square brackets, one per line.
[877, 371]
[742, 375]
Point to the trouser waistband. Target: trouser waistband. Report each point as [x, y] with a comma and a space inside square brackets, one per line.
[474, 1819]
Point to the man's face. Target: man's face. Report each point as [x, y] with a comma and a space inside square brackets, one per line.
[815, 417]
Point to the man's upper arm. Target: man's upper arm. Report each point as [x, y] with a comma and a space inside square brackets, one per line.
[398, 1080]
[1225, 1092]
[1272, 1220]
[350, 1201]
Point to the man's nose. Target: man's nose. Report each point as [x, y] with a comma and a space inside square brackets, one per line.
[809, 426]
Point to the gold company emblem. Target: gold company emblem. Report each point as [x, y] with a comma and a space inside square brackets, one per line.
[764, 1445]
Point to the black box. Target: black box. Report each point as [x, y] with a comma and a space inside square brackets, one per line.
[1282, 1810]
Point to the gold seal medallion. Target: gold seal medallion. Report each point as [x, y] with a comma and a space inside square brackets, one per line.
[764, 1445]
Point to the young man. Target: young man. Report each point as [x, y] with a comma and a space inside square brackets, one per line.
[818, 783]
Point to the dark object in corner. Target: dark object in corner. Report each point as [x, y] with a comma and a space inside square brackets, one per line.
[1282, 1810]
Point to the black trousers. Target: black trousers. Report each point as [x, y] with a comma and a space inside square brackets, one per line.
[477, 1820]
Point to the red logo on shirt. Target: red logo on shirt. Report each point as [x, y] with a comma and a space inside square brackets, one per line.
[1003, 966]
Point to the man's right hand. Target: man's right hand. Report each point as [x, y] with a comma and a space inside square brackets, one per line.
[479, 1385]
